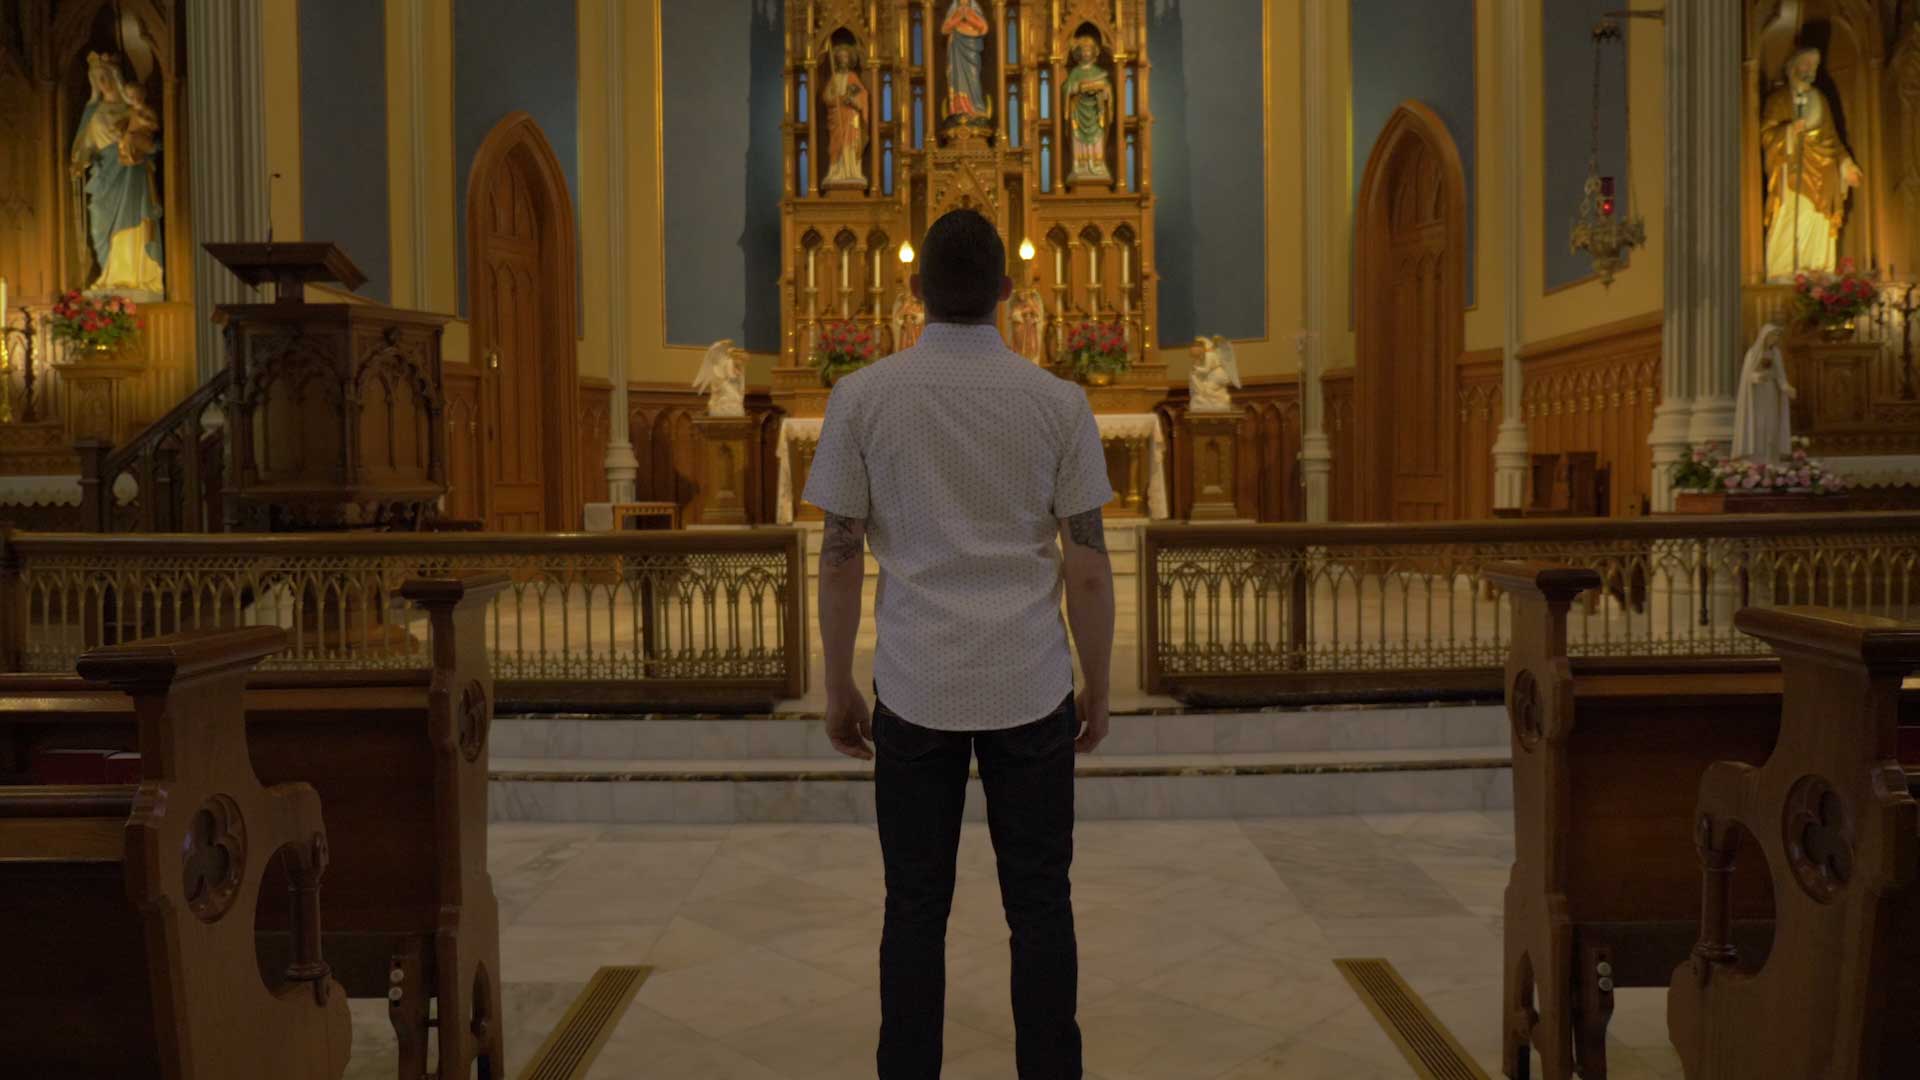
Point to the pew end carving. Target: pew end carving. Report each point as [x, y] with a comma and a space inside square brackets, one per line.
[1831, 820]
[164, 877]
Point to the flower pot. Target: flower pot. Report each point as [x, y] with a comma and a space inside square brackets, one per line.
[1098, 378]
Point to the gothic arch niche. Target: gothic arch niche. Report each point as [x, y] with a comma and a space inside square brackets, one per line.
[1410, 313]
[520, 278]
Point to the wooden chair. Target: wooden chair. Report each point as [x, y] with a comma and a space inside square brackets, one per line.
[128, 912]
[399, 758]
[1838, 834]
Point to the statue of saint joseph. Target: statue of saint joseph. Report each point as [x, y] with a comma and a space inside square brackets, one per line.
[1808, 173]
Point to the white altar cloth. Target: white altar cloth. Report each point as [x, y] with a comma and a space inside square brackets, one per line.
[1115, 428]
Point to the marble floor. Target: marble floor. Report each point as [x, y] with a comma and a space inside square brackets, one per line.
[1205, 947]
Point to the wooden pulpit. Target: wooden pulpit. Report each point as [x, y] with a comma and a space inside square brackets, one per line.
[335, 411]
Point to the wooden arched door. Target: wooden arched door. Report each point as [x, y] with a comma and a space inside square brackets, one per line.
[520, 282]
[1410, 318]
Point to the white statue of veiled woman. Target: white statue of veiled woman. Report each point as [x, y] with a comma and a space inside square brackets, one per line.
[723, 378]
[1762, 410]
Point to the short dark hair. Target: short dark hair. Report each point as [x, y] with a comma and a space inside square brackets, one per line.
[962, 263]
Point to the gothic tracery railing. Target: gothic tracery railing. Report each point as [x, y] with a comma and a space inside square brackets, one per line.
[1250, 612]
[690, 619]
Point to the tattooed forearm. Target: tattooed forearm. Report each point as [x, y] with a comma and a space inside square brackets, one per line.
[1088, 531]
[845, 541]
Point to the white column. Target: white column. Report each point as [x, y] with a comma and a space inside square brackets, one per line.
[1673, 419]
[620, 463]
[1510, 446]
[1316, 452]
[420, 297]
[226, 141]
[1713, 62]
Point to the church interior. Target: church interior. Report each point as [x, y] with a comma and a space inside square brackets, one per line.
[408, 659]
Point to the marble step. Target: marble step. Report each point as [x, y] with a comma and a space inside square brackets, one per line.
[799, 736]
[1107, 786]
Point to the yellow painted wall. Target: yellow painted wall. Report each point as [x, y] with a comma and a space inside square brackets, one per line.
[280, 55]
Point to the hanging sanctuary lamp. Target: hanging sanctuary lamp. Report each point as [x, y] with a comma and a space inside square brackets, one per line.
[1603, 235]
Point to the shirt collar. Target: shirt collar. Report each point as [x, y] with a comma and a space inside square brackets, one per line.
[960, 335]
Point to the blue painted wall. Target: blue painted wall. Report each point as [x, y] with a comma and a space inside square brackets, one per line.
[723, 67]
[343, 134]
[1567, 55]
[1421, 50]
[513, 55]
[1209, 176]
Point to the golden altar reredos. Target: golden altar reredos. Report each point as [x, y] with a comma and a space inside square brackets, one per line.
[878, 146]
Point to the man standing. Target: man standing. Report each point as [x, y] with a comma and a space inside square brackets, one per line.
[960, 463]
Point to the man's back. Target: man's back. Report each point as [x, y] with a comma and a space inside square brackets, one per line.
[962, 457]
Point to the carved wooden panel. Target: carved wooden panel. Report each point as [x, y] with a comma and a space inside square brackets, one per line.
[1267, 464]
[1343, 502]
[464, 479]
[596, 398]
[1477, 394]
[1597, 391]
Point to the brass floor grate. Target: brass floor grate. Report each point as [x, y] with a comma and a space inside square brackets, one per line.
[1426, 1044]
[577, 1039]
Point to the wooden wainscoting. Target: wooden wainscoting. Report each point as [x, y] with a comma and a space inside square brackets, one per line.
[660, 426]
[464, 476]
[1596, 390]
[1477, 388]
[596, 403]
[1336, 390]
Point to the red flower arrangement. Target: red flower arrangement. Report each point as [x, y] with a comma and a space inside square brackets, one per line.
[1097, 348]
[100, 322]
[845, 347]
[1832, 300]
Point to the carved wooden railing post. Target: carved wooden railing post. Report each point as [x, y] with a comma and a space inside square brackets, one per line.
[96, 490]
[13, 606]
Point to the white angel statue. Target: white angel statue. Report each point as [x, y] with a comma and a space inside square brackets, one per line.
[723, 378]
[1762, 406]
[1214, 372]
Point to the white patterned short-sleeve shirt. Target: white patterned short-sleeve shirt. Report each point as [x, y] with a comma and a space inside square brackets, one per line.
[962, 458]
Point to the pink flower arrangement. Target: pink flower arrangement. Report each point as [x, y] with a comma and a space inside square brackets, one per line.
[1823, 299]
[1706, 470]
[100, 321]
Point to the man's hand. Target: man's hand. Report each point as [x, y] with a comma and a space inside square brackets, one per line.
[850, 723]
[1094, 722]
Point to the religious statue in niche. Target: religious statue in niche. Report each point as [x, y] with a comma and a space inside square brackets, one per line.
[116, 197]
[723, 378]
[1215, 374]
[1762, 406]
[966, 28]
[1808, 172]
[1027, 318]
[909, 318]
[1089, 95]
[848, 110]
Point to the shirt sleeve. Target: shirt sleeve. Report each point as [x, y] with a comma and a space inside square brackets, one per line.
[837, 480]
[1080, 484]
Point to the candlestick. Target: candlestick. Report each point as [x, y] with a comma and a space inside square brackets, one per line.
[1093, 266]
[1059, 266]
[844, 253]
[810, 254]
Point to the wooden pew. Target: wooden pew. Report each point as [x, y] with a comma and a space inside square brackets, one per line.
[1607, 754]
[399, 758]
[127, 912]
[1838, 833]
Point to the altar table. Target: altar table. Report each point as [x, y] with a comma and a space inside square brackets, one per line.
[1136, 463]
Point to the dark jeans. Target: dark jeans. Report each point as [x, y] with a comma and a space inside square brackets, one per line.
[920, 786]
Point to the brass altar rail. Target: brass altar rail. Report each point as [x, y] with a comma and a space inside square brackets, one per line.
[1249, 613]
[708, 620]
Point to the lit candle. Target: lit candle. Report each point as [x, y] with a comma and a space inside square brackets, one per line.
[1093, 266]
[876, 268]
[906, 253]
[1059, 265]
[810, 254]
[1126, 267]
[844, 253]
[1026, 250]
